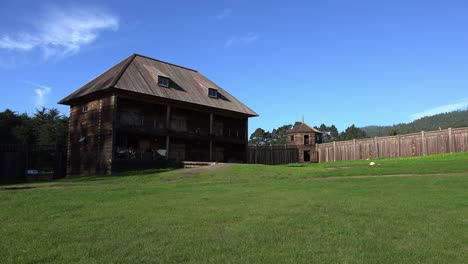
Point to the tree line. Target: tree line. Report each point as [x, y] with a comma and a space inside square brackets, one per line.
[278, 135]
[46, 126]
[452, 119]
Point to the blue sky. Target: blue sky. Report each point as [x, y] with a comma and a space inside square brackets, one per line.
[335, 62]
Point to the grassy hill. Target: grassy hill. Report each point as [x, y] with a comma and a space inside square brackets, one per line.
[408, 210]
[452, 119]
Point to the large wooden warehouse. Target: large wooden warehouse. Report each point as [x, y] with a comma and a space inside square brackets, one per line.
[143, 112]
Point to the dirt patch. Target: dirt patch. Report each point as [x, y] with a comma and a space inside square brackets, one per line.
[214, 166]
[382, 176]
[346, 167]
[25, 188]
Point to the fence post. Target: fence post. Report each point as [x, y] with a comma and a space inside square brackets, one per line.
[271, 154]
[318, 155]
[376, 149]
[286, 155]
[354, 152]
[334, 150]
[450, 140]
[398, 145]
[256, 150]
[26, 150]
[423, 143]
[26, 155]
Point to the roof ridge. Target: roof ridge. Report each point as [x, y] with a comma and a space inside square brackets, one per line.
[297, 128]
[146, 57]
[136, 74]
[114, 78]
[121, 72]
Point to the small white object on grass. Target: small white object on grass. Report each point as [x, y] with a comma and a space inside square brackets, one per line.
[372, 163]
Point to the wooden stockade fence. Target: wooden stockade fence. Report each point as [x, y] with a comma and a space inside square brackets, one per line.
[416, 144]
[272, 155]
[20, 163]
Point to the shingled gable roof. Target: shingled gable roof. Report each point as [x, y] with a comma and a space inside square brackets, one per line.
[303, 128]
[139, 74]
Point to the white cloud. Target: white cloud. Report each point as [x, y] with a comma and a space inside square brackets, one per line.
[60, 32]
[463, 103]
[224, 13]
[243, 40]
[41, 92]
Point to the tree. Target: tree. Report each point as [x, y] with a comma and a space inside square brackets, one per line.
[352, 132]
[52, 128]
[278, 136]
[47, 126]
[334, 133]
[257, 136]
[393, 132]
[15, 128]
[330, 133]
[458, 118]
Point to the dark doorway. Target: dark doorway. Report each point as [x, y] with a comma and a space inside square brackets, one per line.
[306, 156]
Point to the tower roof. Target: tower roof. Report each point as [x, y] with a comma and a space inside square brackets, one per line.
[303, 128]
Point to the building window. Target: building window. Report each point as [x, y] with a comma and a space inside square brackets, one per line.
[306, 139]
[163, 81]
[85, 108]
[213, 93]
[292, 138]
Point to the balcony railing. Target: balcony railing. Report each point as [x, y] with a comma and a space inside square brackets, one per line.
[136, 123]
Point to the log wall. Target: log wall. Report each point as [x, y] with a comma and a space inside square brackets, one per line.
[90, 142]
[272, 155]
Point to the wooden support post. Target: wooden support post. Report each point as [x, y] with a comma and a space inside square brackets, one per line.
[354, 149]
[326, 150]
[167, 146]
[168, 126]
[398, 149]
[256, 150]
[271, 154]
[211, 133]
[376, 148]
[450, 138]
[334, 150]
[211, 123]
[246, 140]
[168, 117]
[318, 154]
[211, 150]
[423, 144]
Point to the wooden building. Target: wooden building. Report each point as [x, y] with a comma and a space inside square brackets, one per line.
[142, 113]
[305, 138]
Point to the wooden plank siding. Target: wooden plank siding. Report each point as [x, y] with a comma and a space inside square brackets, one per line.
[408, 145]
[272, 155]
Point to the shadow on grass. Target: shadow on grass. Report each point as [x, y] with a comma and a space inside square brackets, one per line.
[117, 175]
[295, 165]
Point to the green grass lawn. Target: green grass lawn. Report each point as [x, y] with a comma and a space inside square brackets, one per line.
[319, 213]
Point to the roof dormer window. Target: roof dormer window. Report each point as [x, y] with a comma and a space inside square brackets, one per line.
[163, 81]
[213, 93]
